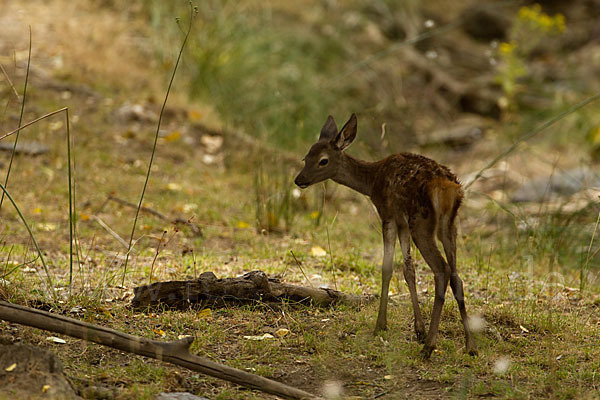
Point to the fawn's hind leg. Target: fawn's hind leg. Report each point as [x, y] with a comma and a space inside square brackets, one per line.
[447, 235]
[409, 277]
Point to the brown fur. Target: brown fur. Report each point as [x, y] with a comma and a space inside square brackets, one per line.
[416, 198]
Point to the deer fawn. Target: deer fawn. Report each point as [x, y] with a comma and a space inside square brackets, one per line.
[415, 197]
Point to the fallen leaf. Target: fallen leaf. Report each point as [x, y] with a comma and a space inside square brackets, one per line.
[314, 214]
[84, 216]
[47, 227]
[173, 136]
[56, 340]
[159, 332]
[11, 367]
[194, 115]
[45, 388]
[388, 377]
[174, 187]
[37, 210]
[189, 207]
[243, 225]
[282, 332]
[318, 251]
[523, 329]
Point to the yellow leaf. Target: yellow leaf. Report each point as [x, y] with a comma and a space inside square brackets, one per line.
[84, 216]
[37, 210]
[243, 225]
[11, 367]
[314, 214]
[318, 251]
[159, 332]
[174, 187]
[205, 313]
[45, 388]
[173, 136]
[194, 115]
[281, 332]
[594, 136]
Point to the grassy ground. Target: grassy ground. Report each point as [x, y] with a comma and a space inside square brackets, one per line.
[527, 273]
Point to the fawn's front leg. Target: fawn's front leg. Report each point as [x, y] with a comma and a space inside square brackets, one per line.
[387, 268]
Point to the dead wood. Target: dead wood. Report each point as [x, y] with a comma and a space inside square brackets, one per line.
[175, 352]
[253, 286]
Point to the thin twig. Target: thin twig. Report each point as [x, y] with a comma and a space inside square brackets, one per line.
[109, 230]
[160, 242]
[585, 267]
[143, 208]
[528, 135]
[137, 213]
[301, 269]
[9, 81]
[33, 122]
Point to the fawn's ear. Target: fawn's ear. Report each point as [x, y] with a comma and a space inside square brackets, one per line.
[329, 129]
[347, 134]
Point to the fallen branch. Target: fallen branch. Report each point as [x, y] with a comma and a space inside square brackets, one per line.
[175, 352]
[253, 286]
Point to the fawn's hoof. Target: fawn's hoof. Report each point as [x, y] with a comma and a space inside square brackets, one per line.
[472, 351]
[426, 352]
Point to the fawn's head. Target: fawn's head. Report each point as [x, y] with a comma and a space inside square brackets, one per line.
[325, 157]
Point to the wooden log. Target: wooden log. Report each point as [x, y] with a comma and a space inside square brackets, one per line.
[175, 352]
[253, 286]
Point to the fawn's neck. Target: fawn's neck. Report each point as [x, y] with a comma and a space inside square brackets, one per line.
[356, 174]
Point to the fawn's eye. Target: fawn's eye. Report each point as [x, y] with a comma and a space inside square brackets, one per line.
[323, 161]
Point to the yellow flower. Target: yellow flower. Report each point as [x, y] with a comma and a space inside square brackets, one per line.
[507, 48]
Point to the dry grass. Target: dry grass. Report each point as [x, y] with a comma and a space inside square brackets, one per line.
[544, 326]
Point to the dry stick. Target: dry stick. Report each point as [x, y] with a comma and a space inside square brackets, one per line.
[175, 220]
[143, 208]
[14, 150]
[109, 230]
[537, 130]
[301, 269]
[175, 352]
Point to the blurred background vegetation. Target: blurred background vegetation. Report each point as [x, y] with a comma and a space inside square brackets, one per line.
[457, 81]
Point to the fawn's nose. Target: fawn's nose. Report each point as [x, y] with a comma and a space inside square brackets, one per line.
[300, 183]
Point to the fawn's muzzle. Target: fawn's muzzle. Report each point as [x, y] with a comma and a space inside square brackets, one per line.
[300, 183]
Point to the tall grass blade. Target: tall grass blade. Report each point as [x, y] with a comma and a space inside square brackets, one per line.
[14, 149]
[71, 200]
[137, 213]
[37, 247]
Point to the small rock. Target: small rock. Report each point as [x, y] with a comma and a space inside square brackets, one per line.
[563, 183]
[24, 147]
[135, 112]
